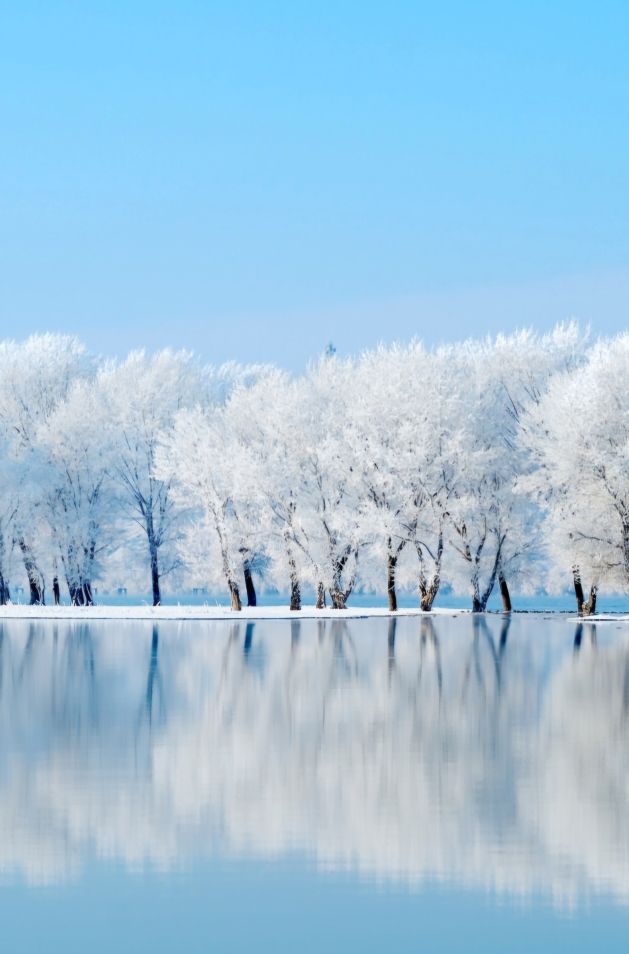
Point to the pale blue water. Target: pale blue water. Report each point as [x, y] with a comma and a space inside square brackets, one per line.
[536, 603]
[444, 785]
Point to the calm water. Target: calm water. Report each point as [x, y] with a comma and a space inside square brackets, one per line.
[443, 785]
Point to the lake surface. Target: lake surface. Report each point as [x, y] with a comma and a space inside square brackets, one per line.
[443, 784]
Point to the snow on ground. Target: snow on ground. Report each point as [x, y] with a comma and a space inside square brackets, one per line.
[601, 618]
[217, 612]
[20, 611]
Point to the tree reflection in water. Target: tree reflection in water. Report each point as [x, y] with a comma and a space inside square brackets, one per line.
[479, 750]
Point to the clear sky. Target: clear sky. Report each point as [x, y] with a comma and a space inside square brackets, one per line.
[253, 179]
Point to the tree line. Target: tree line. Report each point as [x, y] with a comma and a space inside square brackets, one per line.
[496, 463]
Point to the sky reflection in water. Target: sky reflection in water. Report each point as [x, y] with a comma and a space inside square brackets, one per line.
[450, 781]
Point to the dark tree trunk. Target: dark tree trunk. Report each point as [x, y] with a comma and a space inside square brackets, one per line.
[252, 599]
[157, 596]
[338, 595]
[234, 593]
[391, 595]
[35, 579]
[427, 597]
[589, 608]
[76, 595]
[339, 599]
[295, 595]
[36, 593]
[583, 608]
[56, 592]
[88, 599]
[295, 588]
[480, 600]
[320, 596]
[578, 589]
[428, 589]
[5, 596]
[504, 593]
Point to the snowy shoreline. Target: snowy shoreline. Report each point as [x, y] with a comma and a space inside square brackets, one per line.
[186, 612]
[200, 613]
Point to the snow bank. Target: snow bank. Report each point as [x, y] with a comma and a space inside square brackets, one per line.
[183, 612]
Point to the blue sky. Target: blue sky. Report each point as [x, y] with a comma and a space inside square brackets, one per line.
[255, 179]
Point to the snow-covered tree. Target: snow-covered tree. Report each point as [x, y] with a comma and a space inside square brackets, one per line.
[402, 410]
[270, 474]
[77, 496]
[578, 435]
[332, 529]
[495, 526]
[143, 394]
[400, 468]
[35, 376]
[198, 463]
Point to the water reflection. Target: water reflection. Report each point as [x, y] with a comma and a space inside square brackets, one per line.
[486, 752]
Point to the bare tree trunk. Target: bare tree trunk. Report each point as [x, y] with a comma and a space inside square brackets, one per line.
[150, 534]
[338, 595]
[37, 594]
[88, 599]
[429, 594]
[391, 565]
[35, 579]
[428, 589]
[473, 559]
[56, 592]
[477, 606]
[578, 589]
[295, 594]
[157, 596]
[583, 608]
[504, 593]
[589, 608]
[295, 588]
[5, 596]
[234, 595]
[480, 600]
[76, 594]
[320, 596]
[228, 574]
[250, 588]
